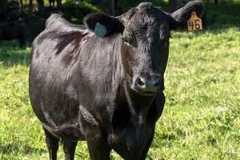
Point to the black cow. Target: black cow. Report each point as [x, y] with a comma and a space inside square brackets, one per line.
[104, 82]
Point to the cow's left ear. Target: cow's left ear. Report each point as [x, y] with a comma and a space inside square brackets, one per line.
[181, 16]
[103, 25]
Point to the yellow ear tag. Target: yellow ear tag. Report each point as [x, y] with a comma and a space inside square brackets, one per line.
[194, 23]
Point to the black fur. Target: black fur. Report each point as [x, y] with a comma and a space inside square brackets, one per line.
[83, 87]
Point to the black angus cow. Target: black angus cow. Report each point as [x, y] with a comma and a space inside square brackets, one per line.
[104, 82]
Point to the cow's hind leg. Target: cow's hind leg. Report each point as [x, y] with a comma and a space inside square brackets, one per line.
[69, 147]
[52, 144]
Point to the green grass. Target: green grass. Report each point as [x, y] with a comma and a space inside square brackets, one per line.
[201, 119]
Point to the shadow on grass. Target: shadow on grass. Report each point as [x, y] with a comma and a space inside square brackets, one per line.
[23, 149]
[11, 54]
[220, 17]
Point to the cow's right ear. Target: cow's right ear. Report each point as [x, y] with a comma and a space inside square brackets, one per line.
[103, 25]
[179, 17]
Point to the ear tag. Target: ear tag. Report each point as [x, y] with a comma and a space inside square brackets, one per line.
[100, 30]
[194, 23]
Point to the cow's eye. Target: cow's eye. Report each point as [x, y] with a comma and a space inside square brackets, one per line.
[164, 32]
[130, 39]
[164, 35]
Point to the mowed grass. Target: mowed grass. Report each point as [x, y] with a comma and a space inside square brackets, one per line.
[201, 119]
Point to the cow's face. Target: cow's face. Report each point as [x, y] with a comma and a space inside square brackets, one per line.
[146, 42]
[145, 33]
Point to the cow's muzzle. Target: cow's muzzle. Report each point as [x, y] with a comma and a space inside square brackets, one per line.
[146, 86]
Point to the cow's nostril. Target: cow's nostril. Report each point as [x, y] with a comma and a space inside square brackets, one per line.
[157, 83]
[140, 82]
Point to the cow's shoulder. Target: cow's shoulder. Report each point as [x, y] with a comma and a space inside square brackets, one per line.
[59, 33]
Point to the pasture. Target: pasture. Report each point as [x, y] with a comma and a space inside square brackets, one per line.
[201, 119]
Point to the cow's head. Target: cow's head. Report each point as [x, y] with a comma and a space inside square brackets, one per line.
[145, 33]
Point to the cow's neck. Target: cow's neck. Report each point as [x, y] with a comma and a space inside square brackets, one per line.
[136, 103]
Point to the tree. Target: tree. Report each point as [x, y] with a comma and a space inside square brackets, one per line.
[21, 3]
[114, 8]
[40, 4]
[3, 5]
[173, 5]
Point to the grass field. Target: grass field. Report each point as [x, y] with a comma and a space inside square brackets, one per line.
[201, 120]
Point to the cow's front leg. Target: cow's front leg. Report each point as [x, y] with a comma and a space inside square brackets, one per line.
[69, 147]
[146, 148]
[98, 148]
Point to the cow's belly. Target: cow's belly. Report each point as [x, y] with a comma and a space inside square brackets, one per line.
[59, 120]
[55, 108]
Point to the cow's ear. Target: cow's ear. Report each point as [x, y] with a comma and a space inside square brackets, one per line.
[180, 16]
[103, 25]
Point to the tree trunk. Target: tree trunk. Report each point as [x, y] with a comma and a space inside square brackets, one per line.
[173, 5]
[3, 6]
[40, 5]
[30, 6]
[59, 4]
[114, 7]
[21, 3]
